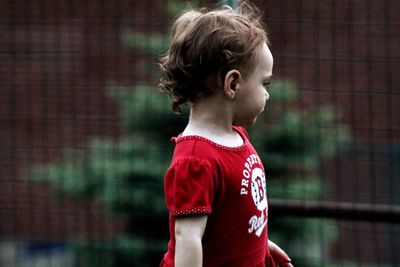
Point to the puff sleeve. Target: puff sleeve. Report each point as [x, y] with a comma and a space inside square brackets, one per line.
[189, 187]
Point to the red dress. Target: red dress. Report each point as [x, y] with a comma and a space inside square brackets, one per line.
[228, 184]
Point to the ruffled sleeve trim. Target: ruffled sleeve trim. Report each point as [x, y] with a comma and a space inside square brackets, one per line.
[180, 212]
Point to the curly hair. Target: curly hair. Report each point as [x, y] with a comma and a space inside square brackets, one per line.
[205, 45]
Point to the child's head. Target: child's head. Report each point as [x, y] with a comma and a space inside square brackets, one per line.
[205, 45]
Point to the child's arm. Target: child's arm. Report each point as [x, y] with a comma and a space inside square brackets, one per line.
[188, 234]
[280, 256]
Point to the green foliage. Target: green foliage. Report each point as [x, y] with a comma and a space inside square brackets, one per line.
[153, 44]
[141, 107]
[116, 173]
[126, 177]
[174, 7]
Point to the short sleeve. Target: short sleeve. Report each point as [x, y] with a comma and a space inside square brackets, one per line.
[189, 187]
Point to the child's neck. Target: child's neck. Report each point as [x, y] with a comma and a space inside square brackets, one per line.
[213, 120]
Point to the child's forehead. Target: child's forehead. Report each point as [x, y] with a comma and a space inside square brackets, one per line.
[264, 60]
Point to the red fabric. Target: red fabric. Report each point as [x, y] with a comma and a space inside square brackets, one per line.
[228, 184]
[190, 186]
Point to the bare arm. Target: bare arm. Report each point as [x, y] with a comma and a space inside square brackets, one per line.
[188, 234]
[280, 256]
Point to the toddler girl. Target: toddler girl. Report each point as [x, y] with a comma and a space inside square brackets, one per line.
[215, 187]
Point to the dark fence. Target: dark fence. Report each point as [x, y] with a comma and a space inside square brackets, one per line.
[84, 133]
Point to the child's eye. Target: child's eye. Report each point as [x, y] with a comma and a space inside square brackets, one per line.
[266, 84]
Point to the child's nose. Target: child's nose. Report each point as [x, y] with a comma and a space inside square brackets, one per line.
[266, 96]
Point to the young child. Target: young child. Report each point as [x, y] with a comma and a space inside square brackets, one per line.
[215, 188]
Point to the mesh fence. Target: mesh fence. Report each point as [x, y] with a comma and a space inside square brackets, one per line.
[84, 137]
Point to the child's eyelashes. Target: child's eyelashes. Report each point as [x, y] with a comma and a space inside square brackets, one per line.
[266, 84]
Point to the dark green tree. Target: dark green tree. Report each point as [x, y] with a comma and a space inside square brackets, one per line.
[126, 175]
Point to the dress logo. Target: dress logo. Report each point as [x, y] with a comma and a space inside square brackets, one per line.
[254, 181]
[258, 189]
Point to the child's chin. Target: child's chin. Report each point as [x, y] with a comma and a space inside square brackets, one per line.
[254, 121]
[250, 122]
[246, 122]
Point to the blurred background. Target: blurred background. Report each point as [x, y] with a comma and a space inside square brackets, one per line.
[85, 133]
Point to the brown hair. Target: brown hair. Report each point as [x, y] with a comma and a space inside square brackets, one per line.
[205, 45]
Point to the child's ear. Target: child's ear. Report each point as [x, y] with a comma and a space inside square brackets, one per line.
[231, 83]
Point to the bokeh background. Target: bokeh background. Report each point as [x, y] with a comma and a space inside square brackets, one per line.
[85, 133]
